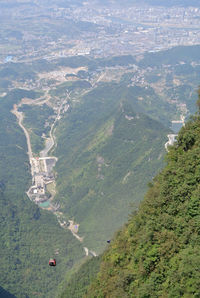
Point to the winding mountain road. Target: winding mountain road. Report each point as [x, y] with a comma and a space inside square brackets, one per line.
[20, 117]
[44, 153]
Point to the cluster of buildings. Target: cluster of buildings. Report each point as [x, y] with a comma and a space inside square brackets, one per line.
[42, 175]
[105, 30]
[133, 30]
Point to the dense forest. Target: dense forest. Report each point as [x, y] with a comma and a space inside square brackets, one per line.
[106, 151]
[156, 254]
[29, 235]
[110, 143]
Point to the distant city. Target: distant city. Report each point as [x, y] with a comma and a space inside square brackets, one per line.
[136, 30]
[96, 31]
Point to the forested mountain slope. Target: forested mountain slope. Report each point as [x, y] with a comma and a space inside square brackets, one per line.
[29, 236]
[76, 286]
[157, 253]
[107, 152]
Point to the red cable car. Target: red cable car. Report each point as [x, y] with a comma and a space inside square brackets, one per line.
[52, 262]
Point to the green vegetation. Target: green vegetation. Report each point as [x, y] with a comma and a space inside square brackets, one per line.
[171, 56]
[147, 101]
[37, 120]
[17, 71]
[152, 78]
[174, 75]
[29, 236]
[78, 283]
[93, 64]
[73, 62]
[123, 60]
[109, 148]
[156, 254]
[51, 188]
[66, 87]
[106, 151]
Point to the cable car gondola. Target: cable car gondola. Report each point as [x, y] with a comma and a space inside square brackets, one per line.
[52, 262]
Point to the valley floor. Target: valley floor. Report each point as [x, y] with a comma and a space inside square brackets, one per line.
[43, 188]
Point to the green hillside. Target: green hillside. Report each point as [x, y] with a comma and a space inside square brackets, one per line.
[29, 236]
[108, 149]
[35, 120]
[157, 253]
[77, 285]
[107, 153]
[173, 56]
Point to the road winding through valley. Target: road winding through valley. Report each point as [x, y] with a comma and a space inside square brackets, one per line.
[49, 144]
[20, 117]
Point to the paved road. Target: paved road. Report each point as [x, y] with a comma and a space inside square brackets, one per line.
[20, 117]
[44, 153]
